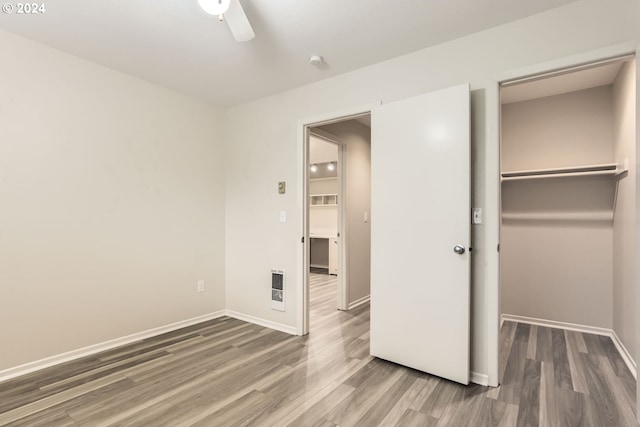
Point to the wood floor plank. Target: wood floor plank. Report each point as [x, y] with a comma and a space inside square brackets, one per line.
[53, 400]
[510, 416]
[544, 345]
[241, 412]
[548, 404]
[389, 399]
[561, 369]
[570, 408]
[424, 394]
[514, 371]
[507, 336]
[522, 332]
[599, 390]
[444, 394]
[363, 398]
[406, 400]
[532, 342]
[413, 418]
[468, 407]
[316, 413]
[576, 369]
[623, 402]
[529, 411]
[53, 418]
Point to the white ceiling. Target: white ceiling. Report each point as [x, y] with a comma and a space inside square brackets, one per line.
[563, 83]
[174, 44]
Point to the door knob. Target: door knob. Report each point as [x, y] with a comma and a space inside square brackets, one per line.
[459, 249]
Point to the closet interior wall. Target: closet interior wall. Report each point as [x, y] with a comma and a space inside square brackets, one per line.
[567, 246]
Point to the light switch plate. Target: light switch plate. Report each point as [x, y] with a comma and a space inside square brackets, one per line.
[283, 216]
[477, 216]
[282, 187]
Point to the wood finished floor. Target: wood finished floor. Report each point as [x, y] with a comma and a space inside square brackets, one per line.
[230, 373]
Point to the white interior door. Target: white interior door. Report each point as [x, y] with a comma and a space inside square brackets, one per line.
[420, 162]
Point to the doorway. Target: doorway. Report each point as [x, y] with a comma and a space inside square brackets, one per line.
[338, 206]
[567, 249]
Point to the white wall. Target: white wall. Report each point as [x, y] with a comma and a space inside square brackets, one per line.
[624, 228]
[112, 204]
[479, 59]
[558, 131]
[357, 140]
[558, 268]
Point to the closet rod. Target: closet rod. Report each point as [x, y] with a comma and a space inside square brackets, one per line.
[604, 169]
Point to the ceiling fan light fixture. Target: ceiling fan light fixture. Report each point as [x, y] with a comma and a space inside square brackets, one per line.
[214, 7]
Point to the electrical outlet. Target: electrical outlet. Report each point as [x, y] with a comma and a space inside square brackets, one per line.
[200, 285]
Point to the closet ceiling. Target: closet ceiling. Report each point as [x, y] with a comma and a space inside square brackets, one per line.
[175, 44]
[564, 83]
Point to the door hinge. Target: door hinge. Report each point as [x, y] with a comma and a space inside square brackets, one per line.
[302, 239]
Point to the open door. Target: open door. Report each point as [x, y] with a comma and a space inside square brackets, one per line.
[420, 261]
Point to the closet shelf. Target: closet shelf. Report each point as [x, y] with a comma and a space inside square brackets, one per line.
[606, 216]
[323, 200]
[604, 170]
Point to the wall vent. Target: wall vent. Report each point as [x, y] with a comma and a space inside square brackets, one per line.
[277, 289]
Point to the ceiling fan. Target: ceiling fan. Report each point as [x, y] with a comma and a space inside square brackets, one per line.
[232, 12]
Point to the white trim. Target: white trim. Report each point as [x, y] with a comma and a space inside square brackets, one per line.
[560, 325]
[103, 346]
[359, 302]
[568, 62]
[491, 271]
[262, 322]
[624, 353]
[478, 378]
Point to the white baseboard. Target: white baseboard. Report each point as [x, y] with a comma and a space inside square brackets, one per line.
[555, 324]
[262, 322]
[359, 302]
[478, 378]
[103, 346]
[624, 353]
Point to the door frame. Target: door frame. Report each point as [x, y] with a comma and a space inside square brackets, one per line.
[302, 180]
[494, 106]
[343, 232]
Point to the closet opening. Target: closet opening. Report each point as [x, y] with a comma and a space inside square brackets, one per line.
[567, 230]
[338, 204]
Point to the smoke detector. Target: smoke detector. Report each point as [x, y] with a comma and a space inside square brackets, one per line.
[316, 60]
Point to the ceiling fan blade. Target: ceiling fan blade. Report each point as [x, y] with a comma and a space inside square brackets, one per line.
[238, 22]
